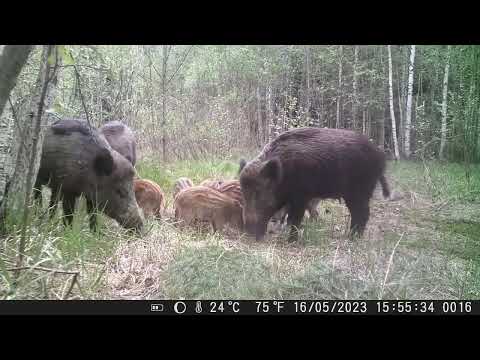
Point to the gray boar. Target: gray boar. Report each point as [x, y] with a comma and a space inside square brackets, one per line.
[121, 138]
[77, 160]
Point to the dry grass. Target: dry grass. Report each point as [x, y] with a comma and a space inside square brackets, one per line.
[407, 252]
[173, 263]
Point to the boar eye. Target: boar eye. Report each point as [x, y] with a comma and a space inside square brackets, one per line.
[120, 192]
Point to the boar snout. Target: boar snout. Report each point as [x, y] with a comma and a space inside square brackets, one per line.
[133, 220]
[255, 226]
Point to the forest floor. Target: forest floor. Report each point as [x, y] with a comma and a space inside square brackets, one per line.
[424, 244]
[416, 247]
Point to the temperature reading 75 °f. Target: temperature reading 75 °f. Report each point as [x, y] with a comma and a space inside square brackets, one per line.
[269, 306]
[224, 305]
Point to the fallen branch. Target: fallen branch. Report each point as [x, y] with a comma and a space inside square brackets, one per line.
[44, 269]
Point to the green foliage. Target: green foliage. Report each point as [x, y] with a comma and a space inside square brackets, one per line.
[167, 174]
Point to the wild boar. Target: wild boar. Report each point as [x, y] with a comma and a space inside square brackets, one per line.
[77, 160]
[312, 206]
[180, 185]
[306, 163]
[201, 203]
[149, 196]
[232, 189]
[214, 184]
[121, 138]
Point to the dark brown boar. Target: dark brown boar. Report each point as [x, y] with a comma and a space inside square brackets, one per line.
[201, 203]
[77, 160]
[121, 138]
[181, 184]
[232, 188]
[307, 163]
[149, 196]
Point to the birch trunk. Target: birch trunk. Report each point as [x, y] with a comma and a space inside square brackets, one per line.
[307, 65]
[339, 94]
[408, 119]
[400, 107]
[392, 112]
[444, 106]
[355, 95]
[166, 52]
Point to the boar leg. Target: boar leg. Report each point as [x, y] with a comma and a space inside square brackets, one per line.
[54, 199]
[359, 212]
[312, 208]
[296, 212]
[92, 215]
[37, 194]
[68, 208]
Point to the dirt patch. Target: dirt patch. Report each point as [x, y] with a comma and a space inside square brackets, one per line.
[384, 260]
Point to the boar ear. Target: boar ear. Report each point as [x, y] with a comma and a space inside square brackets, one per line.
[243, 162]
[103, 163]
[272, 169]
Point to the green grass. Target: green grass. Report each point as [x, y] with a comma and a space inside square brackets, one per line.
[213, 272]
[424, 250]
[440, 180]
[166, 175]
[51, 245]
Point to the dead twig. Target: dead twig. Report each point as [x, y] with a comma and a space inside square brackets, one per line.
[72, 284]
[390, 260]
[40, 268]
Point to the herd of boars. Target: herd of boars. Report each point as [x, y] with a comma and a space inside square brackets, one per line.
[290, 176]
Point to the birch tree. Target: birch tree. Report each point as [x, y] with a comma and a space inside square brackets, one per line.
[392, 112]
[355, 94]
[166, 52]
[339, 94]
[444, 106]
[307, 78]
[408, 119]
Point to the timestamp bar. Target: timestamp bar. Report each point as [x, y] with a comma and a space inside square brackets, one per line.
[242, 307]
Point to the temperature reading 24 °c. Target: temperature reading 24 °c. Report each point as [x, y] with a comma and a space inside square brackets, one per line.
[224, 306]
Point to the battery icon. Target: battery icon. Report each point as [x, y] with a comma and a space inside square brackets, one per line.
[156, 307]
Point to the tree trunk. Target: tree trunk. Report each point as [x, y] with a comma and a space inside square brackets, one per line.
[444, 106]
[307, 70]
[400, 108]
[28, 161]
[380, 123]
[269, 120]
[339, 93]
[12, 60]
[355, 95]
[31, 130]
[259, 117]
[166, 51]
[363, 122]
[392, 112]
[408, 119]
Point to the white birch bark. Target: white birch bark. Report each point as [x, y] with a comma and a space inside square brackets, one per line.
[392, 112]
[408, 119]
[443, 137]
